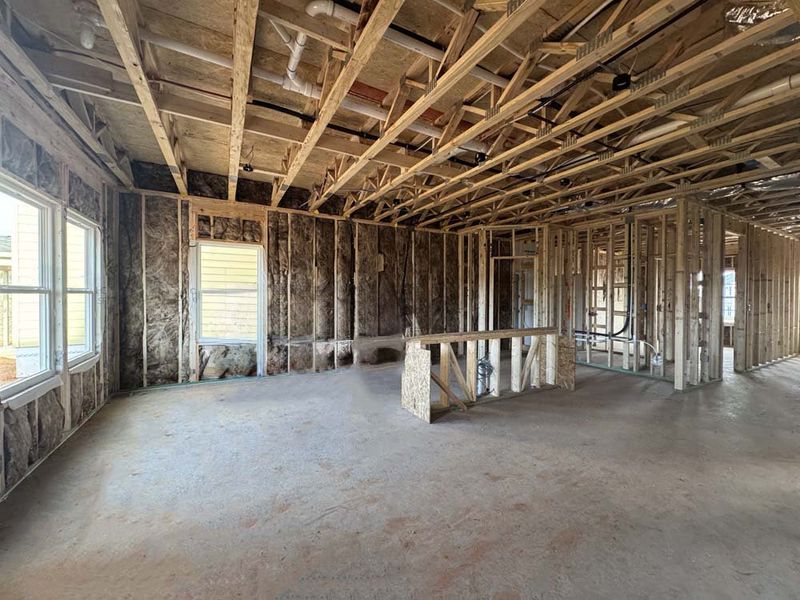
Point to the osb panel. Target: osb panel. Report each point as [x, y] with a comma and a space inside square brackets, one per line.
[131, 319]
[219, 362]
[405, 280]
[367, 280]
[388, 298]
[415, 392]
[301, 279]
[324, 280]
[421, 316]
[162, 272]
[451, 266]
[436, 275]
[345, 302]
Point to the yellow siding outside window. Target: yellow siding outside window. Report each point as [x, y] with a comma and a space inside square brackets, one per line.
[228, 292]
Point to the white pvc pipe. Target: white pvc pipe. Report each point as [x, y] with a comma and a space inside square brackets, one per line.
[299, 86]
[329, 8]
[790, 82]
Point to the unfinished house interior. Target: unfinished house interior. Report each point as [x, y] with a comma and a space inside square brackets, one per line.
[492, 299]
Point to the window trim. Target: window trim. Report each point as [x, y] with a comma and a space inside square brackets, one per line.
[47, 321]
[198, 293]
[94, 264]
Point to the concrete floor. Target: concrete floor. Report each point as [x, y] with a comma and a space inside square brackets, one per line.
[323, 487]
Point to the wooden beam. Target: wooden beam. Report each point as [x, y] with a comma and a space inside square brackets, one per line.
[245, 13]
[692, 64]
[460, 38]
[795, 6]
[602, 48]
[488, 42]
[690, 95]
[379, 21]
[34, 76]
[120, 17]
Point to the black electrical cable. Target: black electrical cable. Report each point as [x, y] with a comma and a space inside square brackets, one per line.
[362, 134]
[628, 303]
[544, 102]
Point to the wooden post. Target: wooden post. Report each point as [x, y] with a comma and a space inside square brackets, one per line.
[717, 240]
[471, 374]
[680, 296]
[516, 364]
[664, 299]
[588, 278]
[610, 294]
[742, 316]
[444, 371]
[461, 321]
[494, 361]
[551, 364]
[693, 350]
[483, 252]
[632, 266]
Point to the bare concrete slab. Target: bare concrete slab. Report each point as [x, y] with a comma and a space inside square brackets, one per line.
[322, 486]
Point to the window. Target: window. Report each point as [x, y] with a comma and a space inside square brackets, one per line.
[728, 296]
[82, 269]
[26, 352]
[228, 297]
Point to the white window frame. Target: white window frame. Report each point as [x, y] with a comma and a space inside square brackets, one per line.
[211, 341]
[94, 275]
[46, 288]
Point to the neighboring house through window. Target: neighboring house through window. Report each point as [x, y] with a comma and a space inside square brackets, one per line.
[26, 293]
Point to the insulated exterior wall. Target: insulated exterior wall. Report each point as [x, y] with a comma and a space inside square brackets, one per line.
[451, 267]
[37, 157]
[421, 241]
[131, 292]
[162, 273]
[366, 280]
[277, 293]
[388, 298]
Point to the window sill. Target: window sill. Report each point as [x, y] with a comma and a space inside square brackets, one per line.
[83, 363]
[223, 342]
[32, 393]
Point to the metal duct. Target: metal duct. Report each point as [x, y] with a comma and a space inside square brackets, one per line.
[788, 182]
[743, 14]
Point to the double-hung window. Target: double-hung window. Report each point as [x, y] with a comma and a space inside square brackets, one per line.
[228, 292]
[82, 266]
[26, 292]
